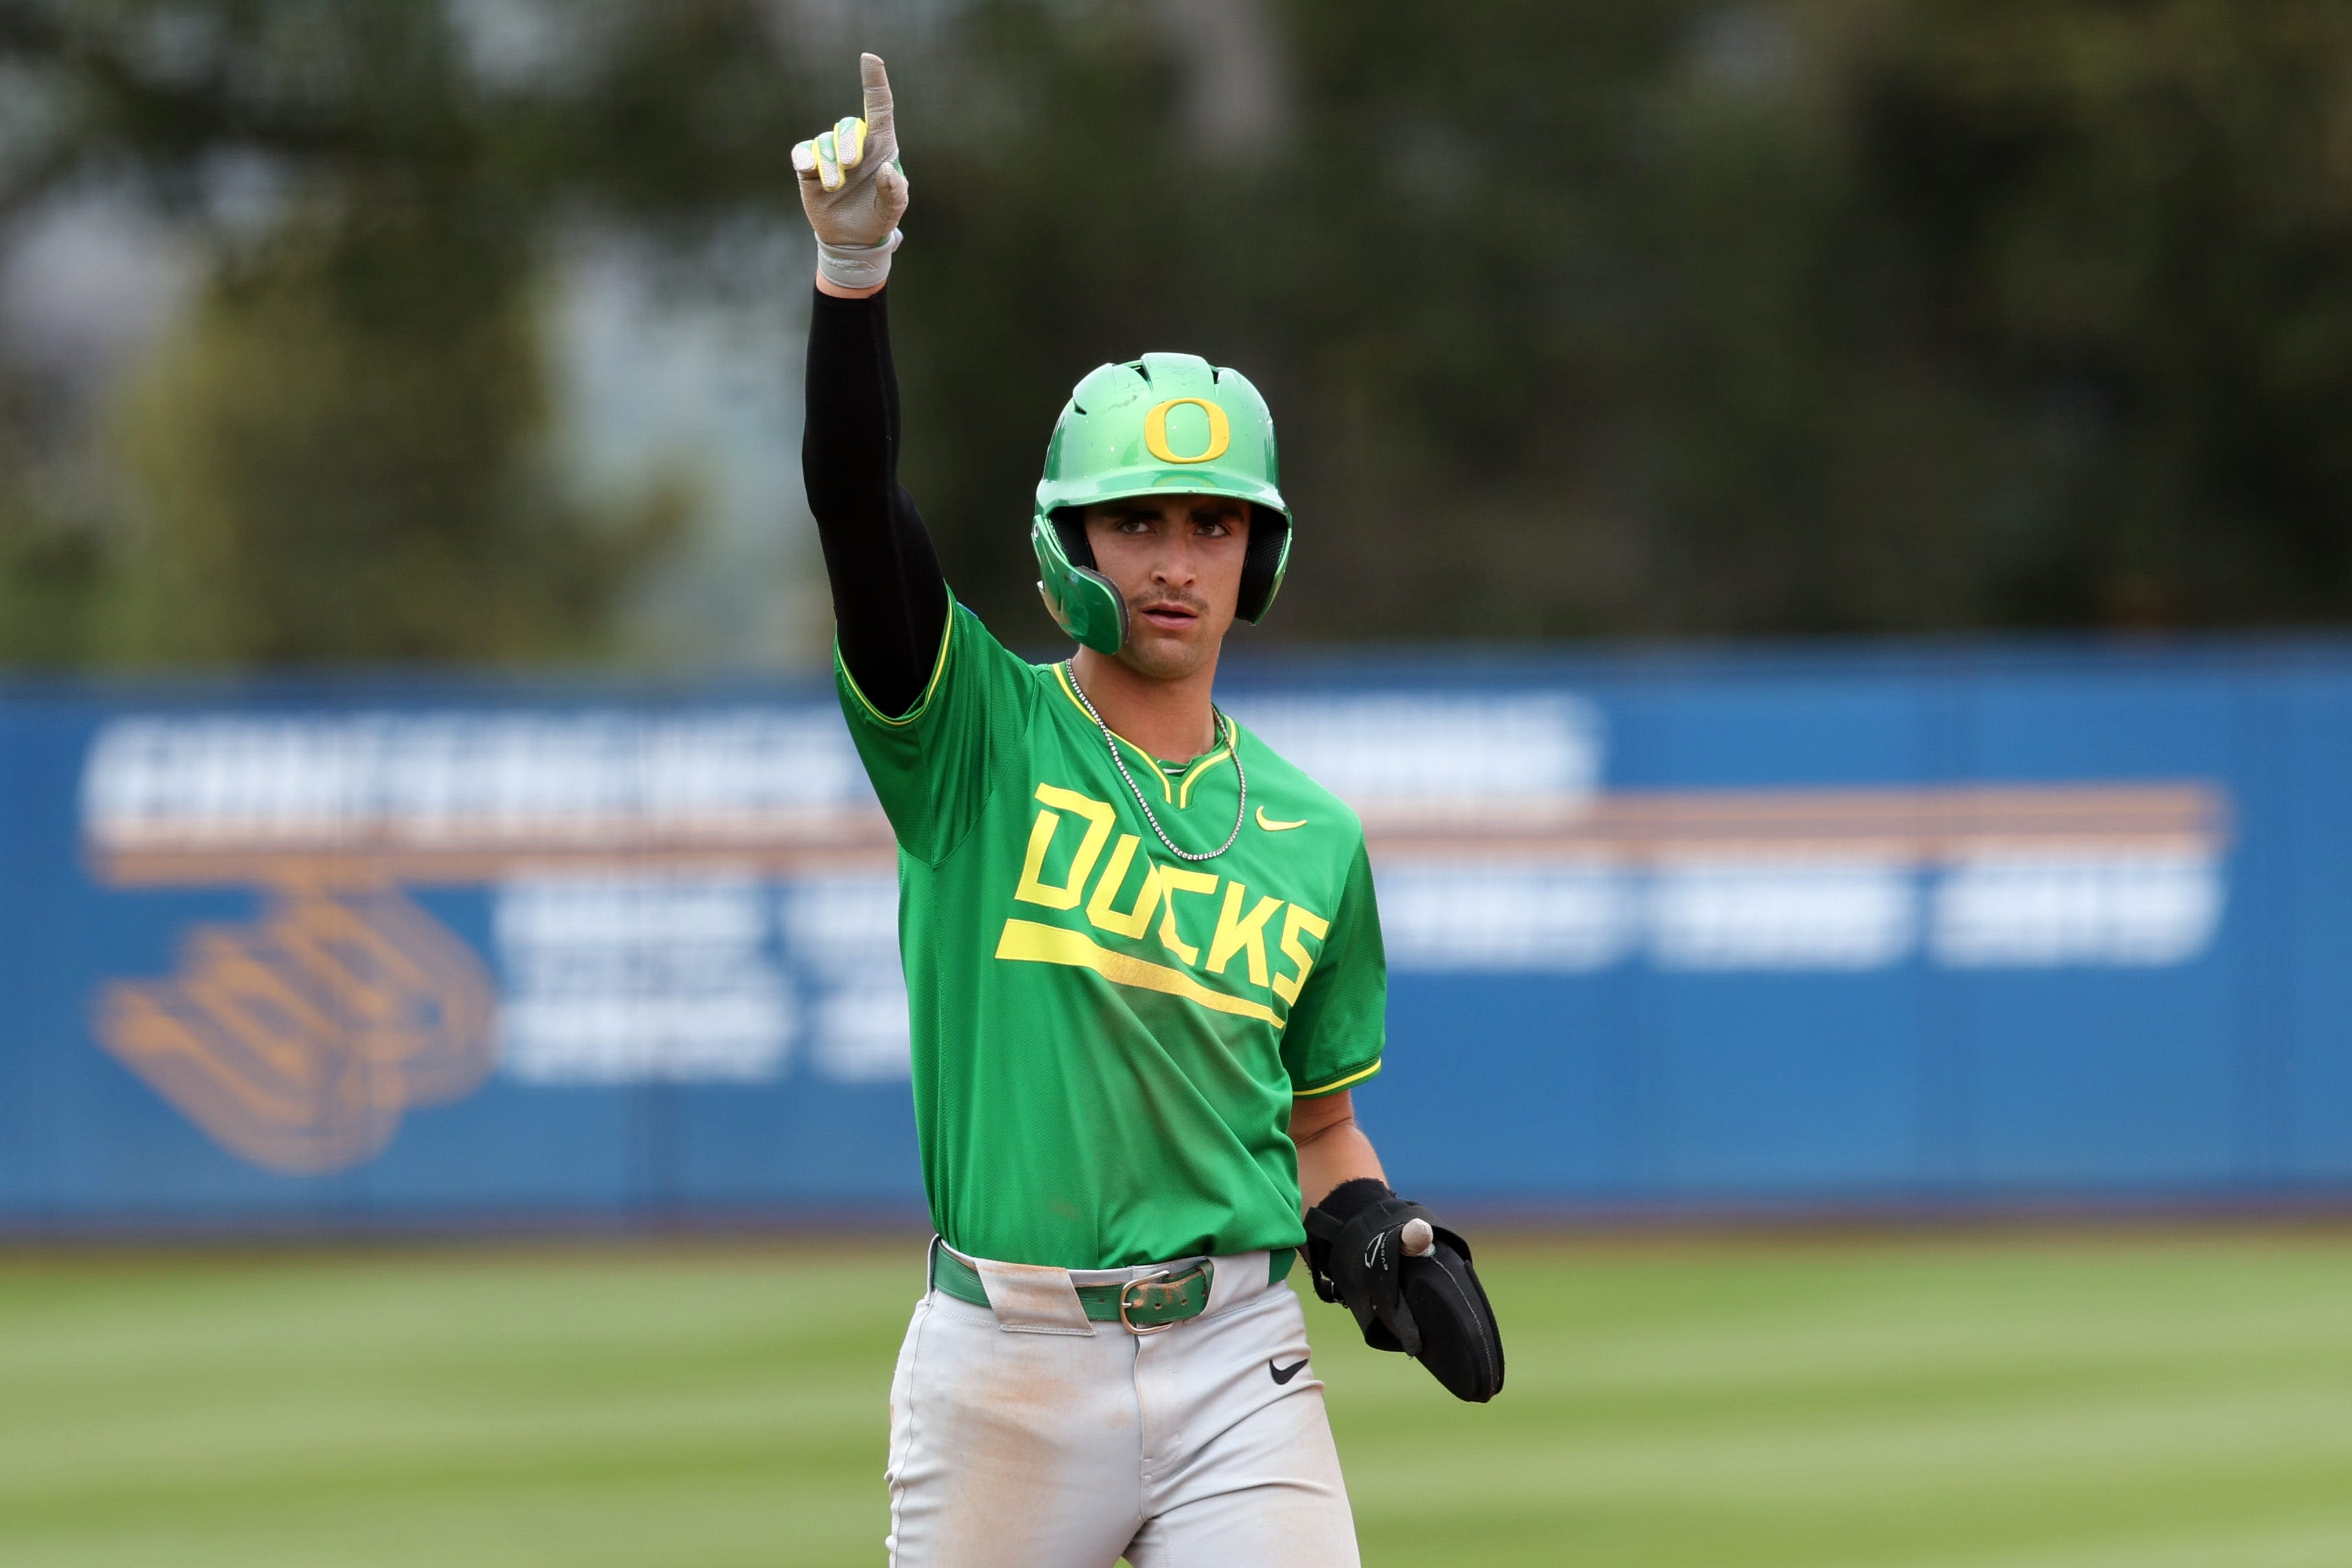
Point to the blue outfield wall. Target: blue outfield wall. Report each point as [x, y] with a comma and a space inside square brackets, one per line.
[1890, 927]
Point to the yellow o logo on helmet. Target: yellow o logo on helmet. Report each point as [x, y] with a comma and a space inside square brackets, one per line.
[1155, 431]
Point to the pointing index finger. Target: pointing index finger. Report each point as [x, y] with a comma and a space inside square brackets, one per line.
[876, 82]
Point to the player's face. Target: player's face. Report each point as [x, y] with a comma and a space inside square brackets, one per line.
[1178, 561]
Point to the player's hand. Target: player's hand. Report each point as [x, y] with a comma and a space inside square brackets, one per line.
[853, 189]
[1360, 1262]
[1409, 1282]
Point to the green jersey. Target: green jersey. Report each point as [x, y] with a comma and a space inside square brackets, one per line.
[1106, 1037]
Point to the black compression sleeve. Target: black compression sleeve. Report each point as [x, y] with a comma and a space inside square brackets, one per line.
[889, 602]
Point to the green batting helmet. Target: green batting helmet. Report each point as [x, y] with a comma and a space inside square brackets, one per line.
[1162, 425]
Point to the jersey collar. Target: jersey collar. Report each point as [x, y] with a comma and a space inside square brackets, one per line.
[1176, 791]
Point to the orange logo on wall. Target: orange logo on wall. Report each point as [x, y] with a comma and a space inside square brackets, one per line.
[301, 1040]
[298, 1042]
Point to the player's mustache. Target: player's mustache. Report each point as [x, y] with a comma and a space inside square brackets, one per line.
[1166, 596]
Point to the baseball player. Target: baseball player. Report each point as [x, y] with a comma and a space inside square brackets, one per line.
[1143, 970]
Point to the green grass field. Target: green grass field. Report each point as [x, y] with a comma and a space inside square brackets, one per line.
[2065, 1401]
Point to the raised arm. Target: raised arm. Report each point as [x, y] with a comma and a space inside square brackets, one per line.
[889, 601]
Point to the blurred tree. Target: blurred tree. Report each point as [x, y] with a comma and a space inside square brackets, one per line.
[334, 462]
[51, 569]
[1608, 317]
[1658, 317]
[340, 455]
[2130, 228]
[51, 577]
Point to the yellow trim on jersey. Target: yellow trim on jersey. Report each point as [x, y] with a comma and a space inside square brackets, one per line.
[1334, 1087]
[1034, 942]
[1193, 773]
[1180, 796]
[1062, 674]
[939, 668]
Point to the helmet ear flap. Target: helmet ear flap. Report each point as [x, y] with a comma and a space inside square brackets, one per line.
[1081, 600]
[1263, 562]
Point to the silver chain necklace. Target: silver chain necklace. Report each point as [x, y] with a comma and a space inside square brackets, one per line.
[1241, 806]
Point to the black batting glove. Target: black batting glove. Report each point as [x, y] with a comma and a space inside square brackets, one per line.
[1409, 1282]
[1356, 1252]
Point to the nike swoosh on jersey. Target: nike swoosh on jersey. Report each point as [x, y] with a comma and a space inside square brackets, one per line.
[1273, 826]
[1284, 1374]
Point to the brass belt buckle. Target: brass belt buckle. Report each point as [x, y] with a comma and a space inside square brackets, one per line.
[1128, 1298]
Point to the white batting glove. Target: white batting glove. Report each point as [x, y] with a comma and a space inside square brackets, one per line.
[852, 188]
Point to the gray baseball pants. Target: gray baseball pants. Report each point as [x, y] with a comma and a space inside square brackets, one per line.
[1025, 1435]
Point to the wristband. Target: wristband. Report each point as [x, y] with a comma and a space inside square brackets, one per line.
[856, 266]
[1350, 1198]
